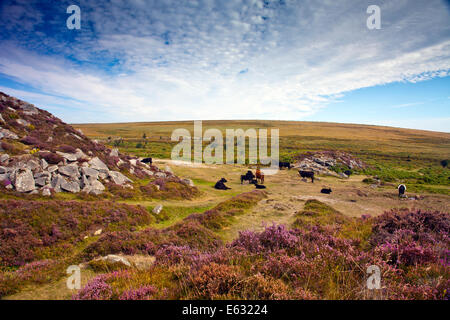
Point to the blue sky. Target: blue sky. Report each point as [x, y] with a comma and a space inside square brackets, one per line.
[144, 60]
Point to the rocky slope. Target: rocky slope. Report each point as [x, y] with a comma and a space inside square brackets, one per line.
[323, 162]
[39, 153]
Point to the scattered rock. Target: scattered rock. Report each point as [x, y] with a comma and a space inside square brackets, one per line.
[343, 175]
[52, 169]
[118, 178]
[70, 186]
[157, 209]
[70, 171]
[68, 156]
[6, 134]
[114, 153]
[97, 164]
[57, 181]
[98, 232]
[188, 182]
[160, 175]
[23, 122]
[115, 259]
[44, 164]
[1, 118]
[24, 181]
[4, 157]
[46, 192]
[29, 109]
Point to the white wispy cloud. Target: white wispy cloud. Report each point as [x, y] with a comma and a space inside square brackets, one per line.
[184, 60]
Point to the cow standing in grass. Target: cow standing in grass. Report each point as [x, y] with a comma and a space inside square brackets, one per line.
[259, 176]
[401, 191]
[307, 174]
[249, 176]
[284, 165]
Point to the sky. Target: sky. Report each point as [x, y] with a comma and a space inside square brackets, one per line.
[161, 60]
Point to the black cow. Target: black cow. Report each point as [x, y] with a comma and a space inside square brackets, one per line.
[326, 190]
[285, 165]
[147, 160]
[249, 176]
[258, 186]
[307, 174]
[220, 185]
[348, 172]
[401, 190]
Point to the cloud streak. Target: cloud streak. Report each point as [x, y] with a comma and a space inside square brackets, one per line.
[171, 60]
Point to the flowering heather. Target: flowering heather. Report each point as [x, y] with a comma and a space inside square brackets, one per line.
[142, 293]
[27, 227]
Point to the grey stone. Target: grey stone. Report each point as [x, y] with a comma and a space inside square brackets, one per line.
[1, 118]
[343, 175]
[42, 174]
[69, 171]
[44, 164]
[42, 181]
[5, 133]
[3, 170]
[24, 181]
[70, 186]
[80, 154]
[118, 178]
[68, 156]
[23, 122]
[29, 109]
[114, 153]
[97, 164]
[188, 182]
[89, 172]
[52, 168]
[4, 176]
[115, 259]
[57, 181]
[103, 175]
[157, 209]
[4, 157]
[160, 175]
[148, 172]
[46, 192]
[97, 185]
[33, 165]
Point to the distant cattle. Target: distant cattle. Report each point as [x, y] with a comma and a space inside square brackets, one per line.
[284, 165]
[260, 176]
[348, 172]
[258, 186]
[307, 174]
[220, 185]
[326, 190]
[147, 160]
[249, 176]
[401, 190]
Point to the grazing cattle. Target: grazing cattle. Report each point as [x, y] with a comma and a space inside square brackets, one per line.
[326, 190]
[260, 176]
[401, 190]
[258, 186]
[147, 160]
[348, 172]
[249, 176]
[220, 185]
[307, 174]
[285, 165]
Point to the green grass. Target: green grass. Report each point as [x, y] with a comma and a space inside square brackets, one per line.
[172, 214]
